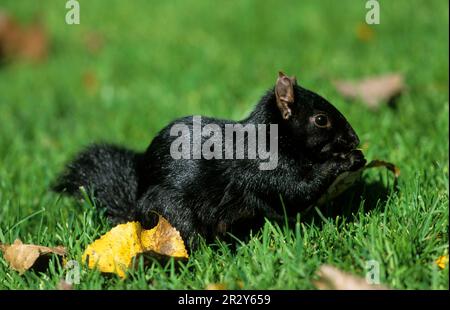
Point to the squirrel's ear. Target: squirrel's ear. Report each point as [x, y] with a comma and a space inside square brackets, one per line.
[284, 93]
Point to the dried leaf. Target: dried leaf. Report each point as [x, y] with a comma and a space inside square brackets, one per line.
[381, 163]
[9, 33]
[216, 287]
[115, 251]
[331, 278]
[164, 239]
[442, 261]
[90, 82]
[34, 43]
[25, 42]
[94, 42]
[345, 180]
[240, 284]
[64, 286]
[22, 257]
[364, 32]
[373, 90]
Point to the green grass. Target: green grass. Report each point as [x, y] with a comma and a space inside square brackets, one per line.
[165, 59]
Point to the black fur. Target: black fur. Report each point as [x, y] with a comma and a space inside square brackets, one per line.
[111, 173]
[212, 197]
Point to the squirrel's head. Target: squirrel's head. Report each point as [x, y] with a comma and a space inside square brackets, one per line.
[314, 122]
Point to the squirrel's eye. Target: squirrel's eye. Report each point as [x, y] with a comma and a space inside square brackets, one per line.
[321, 121]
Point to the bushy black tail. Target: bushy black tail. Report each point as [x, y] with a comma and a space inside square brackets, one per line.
[110, 173]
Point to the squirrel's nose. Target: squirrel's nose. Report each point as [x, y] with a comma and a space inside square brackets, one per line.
[349, 142]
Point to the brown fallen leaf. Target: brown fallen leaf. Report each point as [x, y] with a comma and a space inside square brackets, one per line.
[381, 163]
[64, 286]
[90, 82]
[163, 239]
[9, 31]
[34, 43]
[22, 257]
[94, 42]
[372, 91]
[345, 180]
[331, 278]
[22, 42]
[116, 250]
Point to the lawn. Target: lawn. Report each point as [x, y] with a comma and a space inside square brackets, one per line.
[164, 59]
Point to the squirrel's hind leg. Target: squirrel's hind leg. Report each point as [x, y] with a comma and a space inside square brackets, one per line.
[169, 203]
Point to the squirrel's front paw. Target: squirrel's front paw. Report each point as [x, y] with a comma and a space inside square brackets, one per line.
[351, 161]
[356, 160]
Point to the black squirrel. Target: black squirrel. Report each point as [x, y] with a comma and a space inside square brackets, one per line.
[210, 197]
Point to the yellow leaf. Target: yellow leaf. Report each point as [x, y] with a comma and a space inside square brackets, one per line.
[240, 284]
[216, 287]
[442, 261]
[115, 250]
